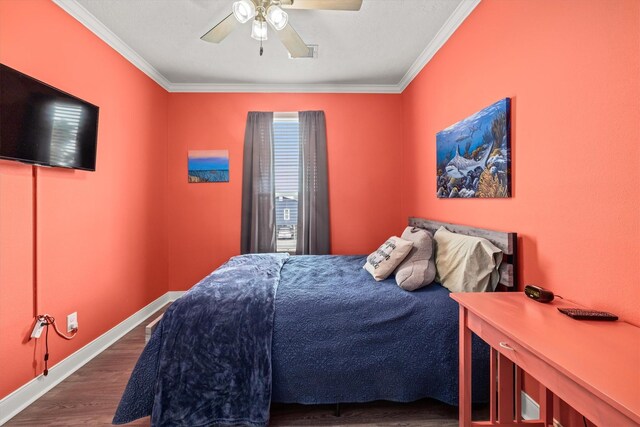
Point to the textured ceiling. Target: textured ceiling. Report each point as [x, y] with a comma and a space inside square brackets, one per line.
[377, 45]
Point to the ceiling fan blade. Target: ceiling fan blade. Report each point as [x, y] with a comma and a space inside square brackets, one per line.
[322, 4]
[221, 30]
[294, 43]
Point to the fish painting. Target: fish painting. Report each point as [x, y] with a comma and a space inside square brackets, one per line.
[474, 155]
[459, 166]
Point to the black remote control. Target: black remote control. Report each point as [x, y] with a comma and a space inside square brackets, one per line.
[581, 314]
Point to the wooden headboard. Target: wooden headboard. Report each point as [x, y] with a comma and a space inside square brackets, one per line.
[506, 242]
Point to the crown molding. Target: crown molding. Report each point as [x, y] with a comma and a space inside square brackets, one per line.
[456, 19]
[282, 88]
[85, 17]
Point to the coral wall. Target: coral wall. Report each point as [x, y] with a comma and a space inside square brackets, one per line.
[363, 144]
[571, 70]
[101, 235]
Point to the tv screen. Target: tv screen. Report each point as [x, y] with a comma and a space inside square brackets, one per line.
[42, 125]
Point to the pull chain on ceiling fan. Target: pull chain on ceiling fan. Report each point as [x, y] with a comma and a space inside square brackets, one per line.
[271, 12]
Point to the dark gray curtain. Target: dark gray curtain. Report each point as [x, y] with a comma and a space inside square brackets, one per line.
[313, 199]
[258, 187]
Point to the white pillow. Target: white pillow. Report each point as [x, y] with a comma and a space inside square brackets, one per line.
[386, 258]
[466, 263]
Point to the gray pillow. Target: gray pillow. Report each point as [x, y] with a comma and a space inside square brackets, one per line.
[418, 269]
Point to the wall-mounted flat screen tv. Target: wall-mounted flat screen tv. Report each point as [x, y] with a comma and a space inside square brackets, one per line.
[42, 125]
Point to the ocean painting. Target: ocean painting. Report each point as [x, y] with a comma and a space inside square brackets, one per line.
[208, 165]
[474, 155]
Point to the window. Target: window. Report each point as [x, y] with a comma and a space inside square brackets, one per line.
[286, 153]
[282, 147]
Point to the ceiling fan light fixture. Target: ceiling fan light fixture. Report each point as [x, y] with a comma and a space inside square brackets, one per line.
[244, 10]
[259, 30]
[277, 17]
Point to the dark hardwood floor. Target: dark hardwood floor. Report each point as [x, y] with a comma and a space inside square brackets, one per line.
[89, 397]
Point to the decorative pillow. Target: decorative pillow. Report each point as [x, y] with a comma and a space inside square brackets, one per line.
[386, 258]
[418, 269]
[466, 263]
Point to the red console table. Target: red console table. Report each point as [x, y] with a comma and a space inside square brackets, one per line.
[594, 366]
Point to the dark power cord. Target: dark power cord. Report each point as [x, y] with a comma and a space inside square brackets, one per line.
[46, 351]
[46, 321]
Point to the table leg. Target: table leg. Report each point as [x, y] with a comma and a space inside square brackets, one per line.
[493, 373]
[546, 406]
[505, 390]
[517, 398]
[464, 400]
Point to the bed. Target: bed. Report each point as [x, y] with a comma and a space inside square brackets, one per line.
[303, 329]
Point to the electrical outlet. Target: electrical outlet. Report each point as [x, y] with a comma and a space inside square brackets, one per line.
[37, 328]
[72, 321]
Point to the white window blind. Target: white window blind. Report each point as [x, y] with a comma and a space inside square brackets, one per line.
[286, 149]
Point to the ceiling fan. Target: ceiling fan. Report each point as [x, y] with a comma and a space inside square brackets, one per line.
[271, 11]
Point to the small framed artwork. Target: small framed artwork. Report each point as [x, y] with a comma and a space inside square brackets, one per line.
[474, 155]
[208, 166]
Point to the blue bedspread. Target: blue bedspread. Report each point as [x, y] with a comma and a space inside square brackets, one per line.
[220, 354]
[209, 360]
[340, 336]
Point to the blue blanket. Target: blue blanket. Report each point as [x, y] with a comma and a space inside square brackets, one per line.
[340, 336]
[209, 360]
[337, 335]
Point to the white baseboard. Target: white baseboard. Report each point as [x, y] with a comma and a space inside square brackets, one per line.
[18, 400]
[530, 408]
[174, 295]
